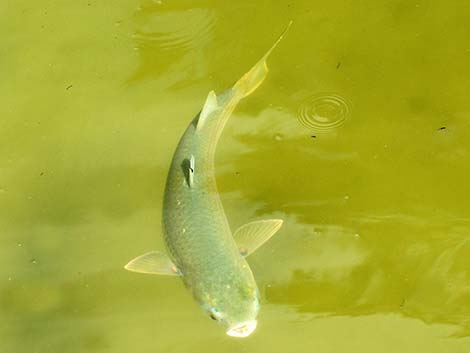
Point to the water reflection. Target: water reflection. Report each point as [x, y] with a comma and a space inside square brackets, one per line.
[432, 287]
[352, 244]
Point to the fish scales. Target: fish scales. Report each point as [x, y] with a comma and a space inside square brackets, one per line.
[202, 250]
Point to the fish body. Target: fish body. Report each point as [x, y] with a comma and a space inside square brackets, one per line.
[200, 244]
[196, 230]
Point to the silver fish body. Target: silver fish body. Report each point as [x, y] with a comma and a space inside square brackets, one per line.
[197, 233]
[200, 244]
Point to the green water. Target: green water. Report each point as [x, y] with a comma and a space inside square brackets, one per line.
[374, 254]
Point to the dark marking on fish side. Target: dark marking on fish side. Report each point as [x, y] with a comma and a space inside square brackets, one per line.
[186, 168]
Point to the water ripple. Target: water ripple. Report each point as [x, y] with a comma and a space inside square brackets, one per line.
[324, 112]
[180, 30]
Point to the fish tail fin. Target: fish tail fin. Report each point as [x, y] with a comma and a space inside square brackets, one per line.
[253, 78]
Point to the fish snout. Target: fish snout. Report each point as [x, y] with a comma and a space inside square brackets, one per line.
[242, 329]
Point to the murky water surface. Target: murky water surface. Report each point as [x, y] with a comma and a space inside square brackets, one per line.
[374, 255]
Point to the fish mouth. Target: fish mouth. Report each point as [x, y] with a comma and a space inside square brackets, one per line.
[242, 329]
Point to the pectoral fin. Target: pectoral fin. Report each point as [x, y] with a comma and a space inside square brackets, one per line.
[154, 262]
[251, 236]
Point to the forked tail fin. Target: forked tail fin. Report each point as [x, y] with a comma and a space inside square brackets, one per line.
[253, 78]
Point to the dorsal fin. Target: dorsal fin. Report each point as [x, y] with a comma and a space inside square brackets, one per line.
[210, 106]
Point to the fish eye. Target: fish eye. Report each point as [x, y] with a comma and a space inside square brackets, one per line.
[214, 314]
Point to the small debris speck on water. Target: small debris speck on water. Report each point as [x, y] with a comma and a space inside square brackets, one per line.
[402, 304]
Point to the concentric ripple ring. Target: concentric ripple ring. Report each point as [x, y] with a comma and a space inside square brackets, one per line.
[180, 30]
[324, 112]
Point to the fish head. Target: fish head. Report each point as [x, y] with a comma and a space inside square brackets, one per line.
[235, 305]
[242, 329]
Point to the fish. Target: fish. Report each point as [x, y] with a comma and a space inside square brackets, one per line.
[200, 246]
